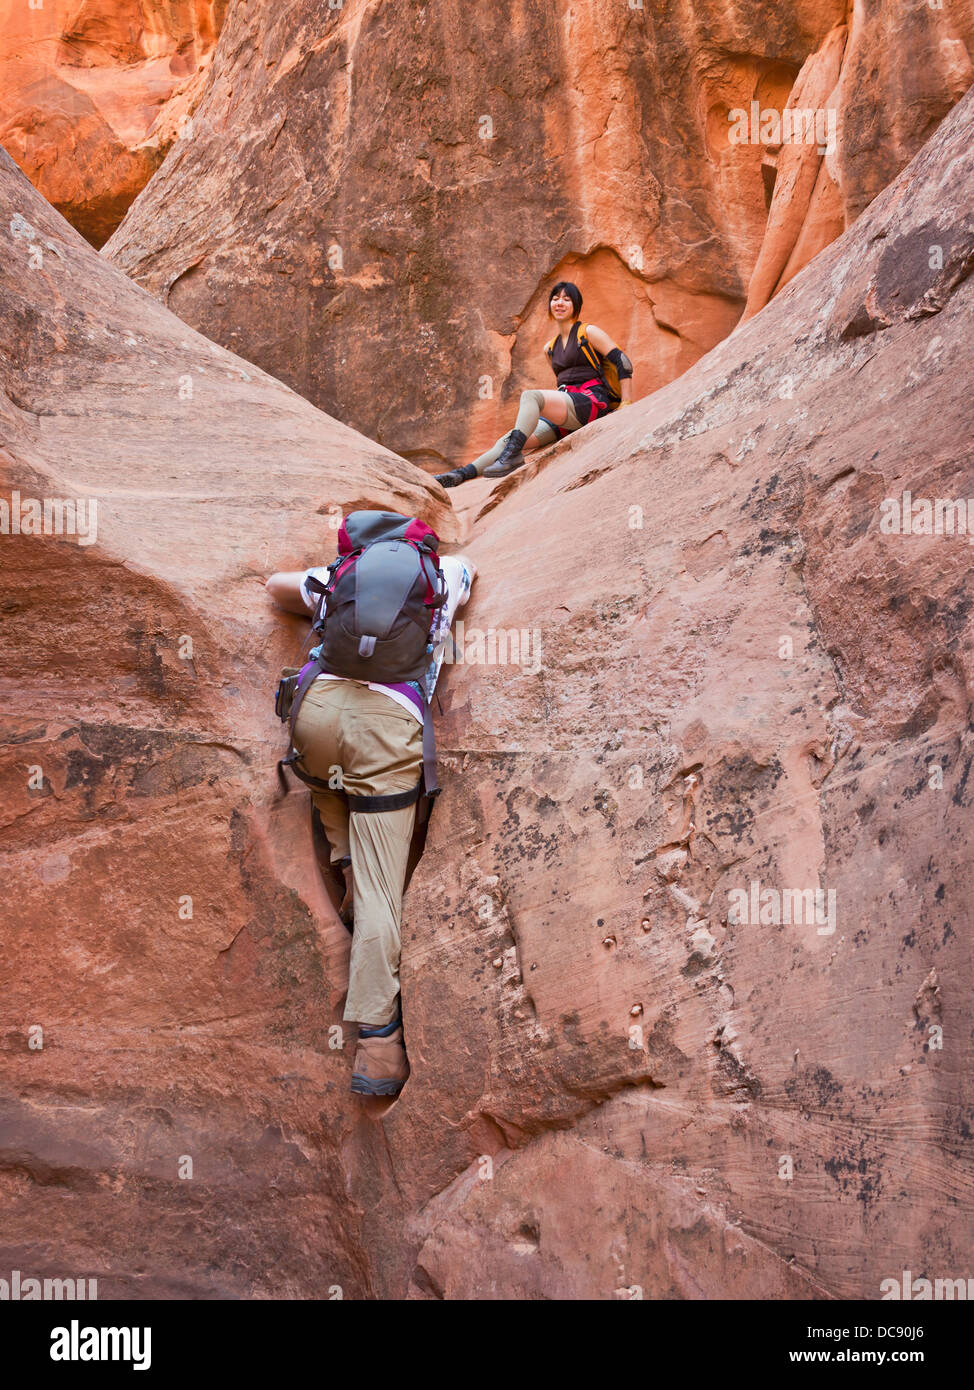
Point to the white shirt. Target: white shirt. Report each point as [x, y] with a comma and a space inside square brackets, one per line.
[458, 583]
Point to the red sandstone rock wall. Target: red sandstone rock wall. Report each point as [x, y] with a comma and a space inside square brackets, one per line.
[890, 73]
[741, 679]
[137, 679]
[402, 183]
[585, 140]
[93, 93]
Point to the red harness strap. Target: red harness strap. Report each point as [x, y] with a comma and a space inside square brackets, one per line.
[598, 407]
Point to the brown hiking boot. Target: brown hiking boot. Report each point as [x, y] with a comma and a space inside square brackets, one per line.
[381, 1066]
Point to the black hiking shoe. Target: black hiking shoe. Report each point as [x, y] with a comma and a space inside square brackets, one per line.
[457, 476]
[510, 459]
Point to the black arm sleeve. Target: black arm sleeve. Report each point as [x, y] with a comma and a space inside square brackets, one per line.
[621, 363]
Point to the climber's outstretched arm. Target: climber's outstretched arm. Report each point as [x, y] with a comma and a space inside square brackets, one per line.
[285, 589]
[601, 340]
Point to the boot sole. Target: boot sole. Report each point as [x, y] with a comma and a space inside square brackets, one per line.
[365, 1086]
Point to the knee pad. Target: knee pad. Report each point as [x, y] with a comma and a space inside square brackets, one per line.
[545, 432]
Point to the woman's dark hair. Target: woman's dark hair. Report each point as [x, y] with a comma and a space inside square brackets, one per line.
[573, 292]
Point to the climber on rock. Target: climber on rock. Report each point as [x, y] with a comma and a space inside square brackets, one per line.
[362, 739]
[593, 375]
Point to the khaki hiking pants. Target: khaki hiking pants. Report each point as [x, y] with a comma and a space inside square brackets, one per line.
[378, 747]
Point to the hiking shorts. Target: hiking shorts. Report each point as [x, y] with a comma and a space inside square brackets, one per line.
[590, 401]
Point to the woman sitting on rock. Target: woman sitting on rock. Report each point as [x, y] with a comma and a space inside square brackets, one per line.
[594, 376]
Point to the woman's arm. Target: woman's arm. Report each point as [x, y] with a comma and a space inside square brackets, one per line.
[285, 589]
[601, 340]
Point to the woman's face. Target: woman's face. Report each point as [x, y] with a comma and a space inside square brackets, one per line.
[560, 307]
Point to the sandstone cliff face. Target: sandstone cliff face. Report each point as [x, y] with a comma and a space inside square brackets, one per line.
[403, 182]
[93, 93]
[183, 966]
[741, 680]
[888, 74]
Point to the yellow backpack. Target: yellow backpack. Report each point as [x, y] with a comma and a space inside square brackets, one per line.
[603, 367]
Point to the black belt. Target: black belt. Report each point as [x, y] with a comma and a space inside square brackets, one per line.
[395, 801]
[359, 805]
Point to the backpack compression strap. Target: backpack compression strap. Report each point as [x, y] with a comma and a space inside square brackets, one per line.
[310, 673]
[429, 754]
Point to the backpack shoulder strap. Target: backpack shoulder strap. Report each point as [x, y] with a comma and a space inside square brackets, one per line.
[591, 352]
[315, 586]
[550, 346]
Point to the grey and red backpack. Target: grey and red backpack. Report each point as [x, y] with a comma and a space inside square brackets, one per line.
[374, 618]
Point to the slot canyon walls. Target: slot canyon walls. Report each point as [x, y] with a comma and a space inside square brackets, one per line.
[373, 199]
[164, 925]
[93, 93]
[405, 181]
[743, 678]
